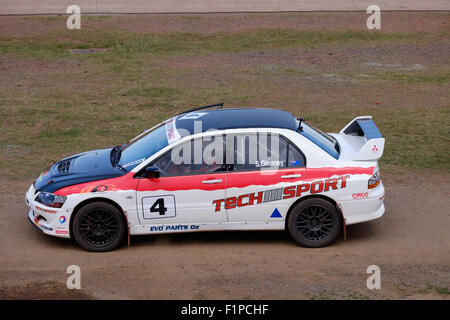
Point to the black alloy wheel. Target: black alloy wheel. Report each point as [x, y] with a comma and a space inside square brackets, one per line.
[98, 226]
[314, 223]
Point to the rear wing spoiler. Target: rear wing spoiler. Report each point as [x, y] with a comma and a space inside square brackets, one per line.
[370, 145]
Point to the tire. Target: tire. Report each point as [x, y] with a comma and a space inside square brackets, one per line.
[314, 223]
[98, 227]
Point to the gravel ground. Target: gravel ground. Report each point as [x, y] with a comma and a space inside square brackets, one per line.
[410, 244]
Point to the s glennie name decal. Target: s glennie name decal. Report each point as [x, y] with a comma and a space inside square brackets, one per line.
[314, 187]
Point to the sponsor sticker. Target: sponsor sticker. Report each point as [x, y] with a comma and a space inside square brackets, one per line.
[45, 227]
[269, 163]
[171, 131]
[176, 227]
[99, 188]
[133, 162]
[318, 186]
[360, 195]
[45, 210]
[193, 115]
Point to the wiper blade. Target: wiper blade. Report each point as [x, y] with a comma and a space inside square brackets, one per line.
[121, 167]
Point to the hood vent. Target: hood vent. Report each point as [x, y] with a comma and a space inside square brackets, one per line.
[63, 166]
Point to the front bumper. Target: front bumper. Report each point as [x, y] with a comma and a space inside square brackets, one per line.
[51, 221]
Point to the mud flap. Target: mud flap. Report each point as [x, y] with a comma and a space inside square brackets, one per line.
[344, 226]
[128, 228]
[128, 240]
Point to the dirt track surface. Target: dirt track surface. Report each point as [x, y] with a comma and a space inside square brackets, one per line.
[410, 243]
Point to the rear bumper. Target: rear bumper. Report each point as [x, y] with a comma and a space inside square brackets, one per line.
[367, 209]
[51, 221]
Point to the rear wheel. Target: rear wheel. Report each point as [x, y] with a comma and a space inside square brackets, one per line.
[314, 223]
[98, 227]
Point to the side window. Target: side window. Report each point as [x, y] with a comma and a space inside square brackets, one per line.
[263, 151]
[258, 151]
[295, 158]
[245, 147]
[197, 156]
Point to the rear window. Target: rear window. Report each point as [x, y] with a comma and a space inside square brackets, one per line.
[321, 139]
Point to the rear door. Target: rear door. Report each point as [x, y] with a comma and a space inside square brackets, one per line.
[184, 192]
[263, 166]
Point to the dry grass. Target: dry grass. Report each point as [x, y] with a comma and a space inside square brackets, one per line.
[54, 103]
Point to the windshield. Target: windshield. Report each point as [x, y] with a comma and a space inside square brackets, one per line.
[142, 147]
[321, 139]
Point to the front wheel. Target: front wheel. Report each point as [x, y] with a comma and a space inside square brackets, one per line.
[314, 223]
[98, 226]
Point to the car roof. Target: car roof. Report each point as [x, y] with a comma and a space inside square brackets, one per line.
[236, 119]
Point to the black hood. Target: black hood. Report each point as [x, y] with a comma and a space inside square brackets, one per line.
[84, 167]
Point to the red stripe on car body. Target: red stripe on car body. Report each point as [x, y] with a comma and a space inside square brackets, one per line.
[192, 182]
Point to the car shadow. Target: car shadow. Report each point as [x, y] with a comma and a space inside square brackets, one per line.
[214, 237]
[358, 232]
[355, 233]
[371, 230]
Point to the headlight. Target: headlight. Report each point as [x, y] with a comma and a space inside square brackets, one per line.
[374, 180]
[51, 200]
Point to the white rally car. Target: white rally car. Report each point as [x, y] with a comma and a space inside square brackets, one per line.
[216, 169]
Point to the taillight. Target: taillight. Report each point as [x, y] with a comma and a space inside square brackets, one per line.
[374, 180]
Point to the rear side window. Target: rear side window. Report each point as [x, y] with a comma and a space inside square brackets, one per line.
[295, 158]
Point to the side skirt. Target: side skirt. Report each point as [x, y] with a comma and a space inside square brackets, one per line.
[193, 227]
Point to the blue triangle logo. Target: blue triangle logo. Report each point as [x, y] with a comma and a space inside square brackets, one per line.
[276, 214]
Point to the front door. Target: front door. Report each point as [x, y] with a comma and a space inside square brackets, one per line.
[184, 192]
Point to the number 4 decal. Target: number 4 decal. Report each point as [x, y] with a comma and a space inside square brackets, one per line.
[159, 207]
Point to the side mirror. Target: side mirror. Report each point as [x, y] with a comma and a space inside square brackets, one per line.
[152, 172]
